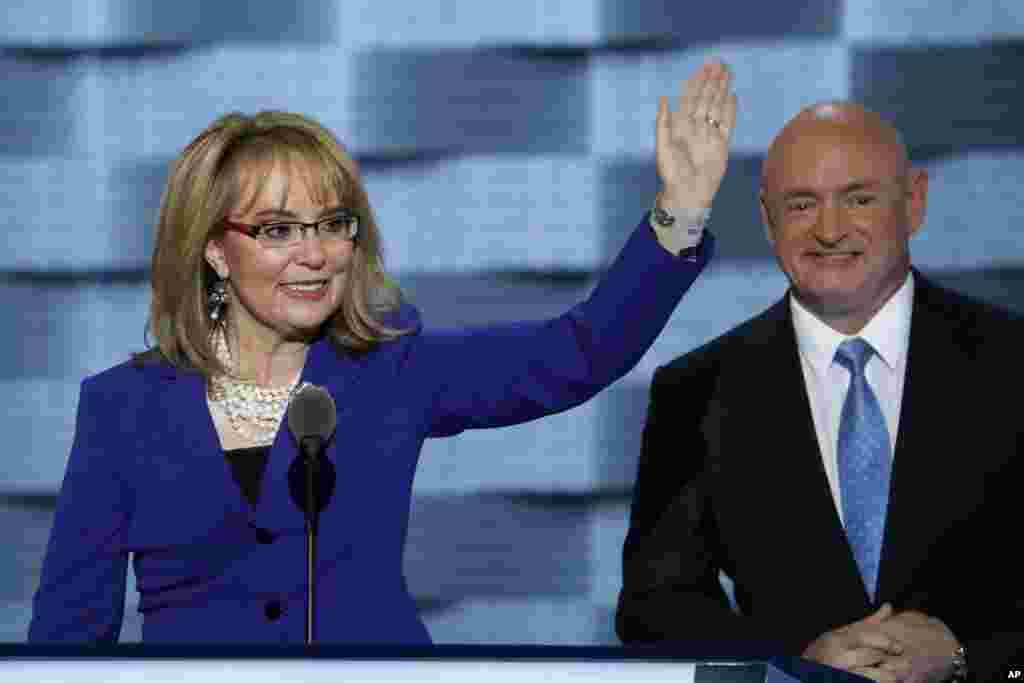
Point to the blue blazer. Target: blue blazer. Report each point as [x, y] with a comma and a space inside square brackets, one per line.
[147, 477]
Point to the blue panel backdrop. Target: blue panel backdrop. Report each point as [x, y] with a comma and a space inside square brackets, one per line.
[507, 148]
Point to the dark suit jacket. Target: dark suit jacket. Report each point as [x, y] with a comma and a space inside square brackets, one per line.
[731, 479]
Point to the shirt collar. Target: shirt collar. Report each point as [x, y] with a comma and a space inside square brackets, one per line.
[888, 332]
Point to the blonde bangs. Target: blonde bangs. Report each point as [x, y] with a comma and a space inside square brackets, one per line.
[251, 164]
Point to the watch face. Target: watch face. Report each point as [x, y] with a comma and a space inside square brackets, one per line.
[663, 218]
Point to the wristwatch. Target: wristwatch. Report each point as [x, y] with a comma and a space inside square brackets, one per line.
[960, 670]
[662, 217]
[681, 227]
[694, 219]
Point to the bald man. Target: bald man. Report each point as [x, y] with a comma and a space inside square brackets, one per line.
[857, 505]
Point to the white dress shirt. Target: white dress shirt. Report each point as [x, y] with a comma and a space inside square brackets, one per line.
[827, 381]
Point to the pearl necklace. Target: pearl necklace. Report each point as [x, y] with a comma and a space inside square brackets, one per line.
[253, 411]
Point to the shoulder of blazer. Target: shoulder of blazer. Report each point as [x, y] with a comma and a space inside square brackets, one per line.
[146, 369]
[690, 382]
[123, 393]
[405, 318]
[749, 337]
[976, 327]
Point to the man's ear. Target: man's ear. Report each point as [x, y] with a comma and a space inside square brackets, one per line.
[917, 199]
[766, 218]
[214, 253]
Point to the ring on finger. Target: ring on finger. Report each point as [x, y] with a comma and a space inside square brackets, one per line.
[713, 121]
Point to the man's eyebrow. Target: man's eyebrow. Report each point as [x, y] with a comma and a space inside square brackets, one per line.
[861, 185]
[799, 192]
[855, 186]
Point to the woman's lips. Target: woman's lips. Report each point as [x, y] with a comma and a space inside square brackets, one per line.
[309, 291]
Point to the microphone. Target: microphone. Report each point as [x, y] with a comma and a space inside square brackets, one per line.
[312, 419]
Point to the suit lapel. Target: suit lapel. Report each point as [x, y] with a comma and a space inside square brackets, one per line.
[788, 474]
[186, 460]
[927, 429]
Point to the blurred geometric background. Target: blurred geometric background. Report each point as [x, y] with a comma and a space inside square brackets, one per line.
[508, 150]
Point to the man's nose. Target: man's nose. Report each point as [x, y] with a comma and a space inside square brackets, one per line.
[829, 228]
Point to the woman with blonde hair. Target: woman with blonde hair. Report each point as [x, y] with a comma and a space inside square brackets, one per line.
[267, 276]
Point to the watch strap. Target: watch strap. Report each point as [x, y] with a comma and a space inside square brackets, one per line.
[960, 670]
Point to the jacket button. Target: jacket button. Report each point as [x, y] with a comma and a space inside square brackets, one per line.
[264, 536]
[273, 610]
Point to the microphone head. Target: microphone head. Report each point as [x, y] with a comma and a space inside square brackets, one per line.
[312, 413]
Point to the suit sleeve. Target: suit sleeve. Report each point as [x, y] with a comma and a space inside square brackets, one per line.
[81, 591]
[507, 374]
[972, 575]
[983, 603]
[673, 553]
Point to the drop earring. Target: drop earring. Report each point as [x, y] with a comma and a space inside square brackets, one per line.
[217, 301]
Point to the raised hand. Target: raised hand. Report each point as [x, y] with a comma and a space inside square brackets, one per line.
[692, 144]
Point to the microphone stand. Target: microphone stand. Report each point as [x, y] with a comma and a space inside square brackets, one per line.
[311, 447]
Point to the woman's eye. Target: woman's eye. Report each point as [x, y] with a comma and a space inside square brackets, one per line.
[277, 231]
[337, 224]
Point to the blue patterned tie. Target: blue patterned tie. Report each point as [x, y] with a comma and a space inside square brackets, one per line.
[864, 462]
